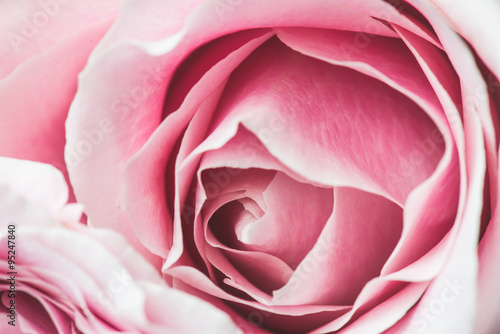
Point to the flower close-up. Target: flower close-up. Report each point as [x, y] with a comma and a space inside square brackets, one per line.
[320, 166]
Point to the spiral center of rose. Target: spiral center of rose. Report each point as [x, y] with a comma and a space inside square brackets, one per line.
[282, 189]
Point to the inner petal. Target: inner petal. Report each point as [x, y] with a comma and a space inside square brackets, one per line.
[296, 214]
[287, 226]
[352, 249]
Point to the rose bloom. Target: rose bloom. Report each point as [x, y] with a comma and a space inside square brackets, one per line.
[320, 166]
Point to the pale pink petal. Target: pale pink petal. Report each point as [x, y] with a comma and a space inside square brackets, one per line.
[190, 316]
[386, 59]
[246, 269]
[22, 203]
[33, 27]
[296, 214]
[397, 12]
[254, 273]
[459, 273]
[478, 23]
[388, 312]
[33, 317]
[475, 88]
[424, 227]
[243, 151]
[70, 275]
[306, 313]
[33, 128]
[337, 268]
[18, 179]
[488, 305]
[379, 292]
[296, 210]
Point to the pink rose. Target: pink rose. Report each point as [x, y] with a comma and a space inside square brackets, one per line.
[307, 166]
[58, 276]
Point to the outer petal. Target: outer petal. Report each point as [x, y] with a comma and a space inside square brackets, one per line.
[47, 44]
[459, 273]
[488, 314]
[478, 23]
[31, 27]
[17, 180]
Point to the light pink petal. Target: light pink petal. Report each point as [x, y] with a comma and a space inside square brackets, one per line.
[95, 139]
[243, 151]
[424, 227]
[390, 61]
[386, 59]
[245, 269]
[37, 183]
[200, 281]
[73, 257]
[388, 312]
[478, 23]
[296, 214]
[303, 211]
[182, 313]
[375, 293]
[304, 317]
[227, 127]
[57, 317]
[454, 291]
[248, 158]
[337, 268]
[33, 128]
[34, 194]
[488, 305]
[31, 28]
[400, 13]
[459, 274]
[475, 88]
[254, 273]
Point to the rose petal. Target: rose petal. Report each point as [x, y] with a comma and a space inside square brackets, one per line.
[17, 180]
[303, 211]
[336, 269]
[488, 305]
[33, 128]
[190, 315]
[477, 23]
[34, 27]
[385, 314]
